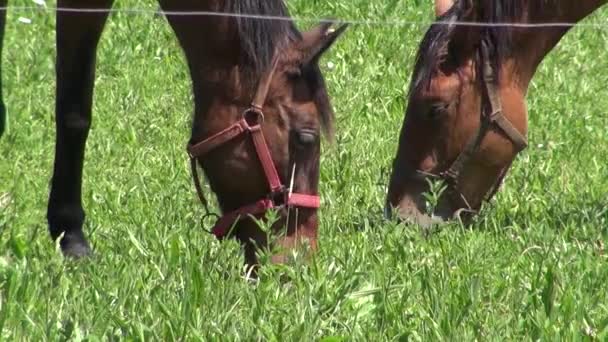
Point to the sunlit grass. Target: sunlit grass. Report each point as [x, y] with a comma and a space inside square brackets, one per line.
[533, 265]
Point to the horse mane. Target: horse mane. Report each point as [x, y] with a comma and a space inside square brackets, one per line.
[435, 47]
[260, 38]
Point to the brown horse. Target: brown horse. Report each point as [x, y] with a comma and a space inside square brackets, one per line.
[467, 119]
[233, 62]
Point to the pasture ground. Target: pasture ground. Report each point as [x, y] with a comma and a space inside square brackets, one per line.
[533, 265]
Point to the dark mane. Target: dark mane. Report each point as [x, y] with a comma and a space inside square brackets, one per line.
[259, 38]
[435, 46]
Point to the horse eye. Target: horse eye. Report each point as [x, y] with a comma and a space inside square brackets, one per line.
[438, 110]
[293, 73]
[306, 136]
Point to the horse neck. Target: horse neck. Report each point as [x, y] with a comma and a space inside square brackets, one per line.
[535, 43]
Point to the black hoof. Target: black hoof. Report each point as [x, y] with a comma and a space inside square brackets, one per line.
[74, 245]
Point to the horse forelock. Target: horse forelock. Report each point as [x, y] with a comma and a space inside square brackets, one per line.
[434, 47]
[261, 37]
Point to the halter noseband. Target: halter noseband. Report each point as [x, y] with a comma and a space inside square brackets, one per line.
[250, 124]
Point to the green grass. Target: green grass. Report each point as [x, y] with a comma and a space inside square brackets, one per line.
[532, 266]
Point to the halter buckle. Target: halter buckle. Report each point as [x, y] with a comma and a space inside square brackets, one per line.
[495, 115]
[253, 116]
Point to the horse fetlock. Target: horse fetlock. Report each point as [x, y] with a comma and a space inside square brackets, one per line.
[65, 219]
[65, 223]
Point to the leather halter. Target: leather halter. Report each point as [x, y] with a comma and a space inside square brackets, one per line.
[250, 124]
[492, 116]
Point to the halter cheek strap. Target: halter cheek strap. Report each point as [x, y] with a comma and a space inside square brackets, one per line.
[251, 125]
[494, 117]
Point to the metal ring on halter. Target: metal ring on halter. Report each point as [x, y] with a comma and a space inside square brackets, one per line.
[252, 120]
[458, 213]
[279, 197]
[206, 217]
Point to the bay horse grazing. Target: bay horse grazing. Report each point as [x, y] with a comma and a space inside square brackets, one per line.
[466, 118]
[260, 104]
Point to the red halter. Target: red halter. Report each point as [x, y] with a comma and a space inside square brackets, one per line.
[279, 196]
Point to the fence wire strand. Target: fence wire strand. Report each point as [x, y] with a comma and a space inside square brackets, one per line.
[363, 22]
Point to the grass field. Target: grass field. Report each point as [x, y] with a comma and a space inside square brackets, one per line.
[533, 265]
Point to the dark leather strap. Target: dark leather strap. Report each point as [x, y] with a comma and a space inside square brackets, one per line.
[453, 173]
[491, 115]
[496, 115]
[499, 181]
[507, 127]
[198, 186]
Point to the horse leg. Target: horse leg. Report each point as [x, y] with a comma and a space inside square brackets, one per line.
[3, 3]
[77, 36]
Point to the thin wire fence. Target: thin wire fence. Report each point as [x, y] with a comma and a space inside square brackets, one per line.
[365, 22]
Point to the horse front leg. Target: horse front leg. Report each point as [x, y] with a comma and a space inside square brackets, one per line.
[78, 34]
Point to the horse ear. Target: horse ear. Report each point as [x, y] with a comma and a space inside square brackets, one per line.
[463, 38]
[318, 40]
